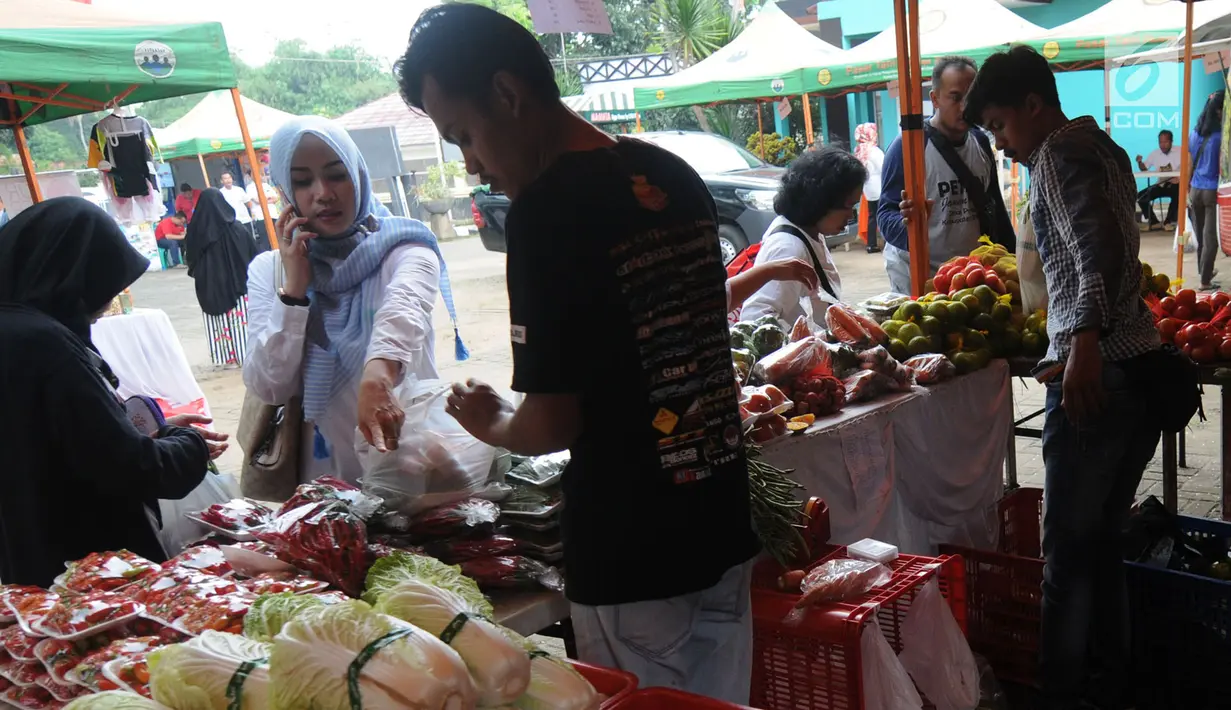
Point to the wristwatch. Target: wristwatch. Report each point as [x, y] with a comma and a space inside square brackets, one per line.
[292, 301]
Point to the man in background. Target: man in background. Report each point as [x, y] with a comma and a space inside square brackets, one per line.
[657, 482]
[238, 199]
[186, 201]
[1102, 424]
[1164, 159]
[963, 199]
[257, 191]
[169, 233]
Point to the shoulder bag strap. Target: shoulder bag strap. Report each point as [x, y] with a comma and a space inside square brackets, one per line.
[816, 263]
[973, 186]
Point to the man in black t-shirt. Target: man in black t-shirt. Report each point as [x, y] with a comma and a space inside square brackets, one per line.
[620, 343]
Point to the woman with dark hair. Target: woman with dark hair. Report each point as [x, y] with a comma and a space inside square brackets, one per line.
[219, 249]
[818, 196]
[78, 477]
[1205, 146]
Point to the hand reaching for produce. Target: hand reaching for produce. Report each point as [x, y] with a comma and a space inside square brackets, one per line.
[478, 408]
[380, 415]
[216, 441]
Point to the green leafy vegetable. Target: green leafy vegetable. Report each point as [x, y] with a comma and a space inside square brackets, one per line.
[271, 611]
[346, 656]
[401, 566]
[201, 673]
[112, 700]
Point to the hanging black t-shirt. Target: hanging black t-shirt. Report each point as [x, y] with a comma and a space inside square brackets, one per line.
[617, 293]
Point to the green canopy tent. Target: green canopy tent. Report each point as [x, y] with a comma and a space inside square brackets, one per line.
[973, 28]
[60, 58]
[212, 127]
[764, 61]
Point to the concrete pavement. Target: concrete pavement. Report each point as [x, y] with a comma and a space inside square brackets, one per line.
[482, 303]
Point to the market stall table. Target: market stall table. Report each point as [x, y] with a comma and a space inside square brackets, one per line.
[144, 352]
[914, 469]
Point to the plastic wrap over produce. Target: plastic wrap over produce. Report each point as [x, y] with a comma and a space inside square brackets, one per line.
[437, 461]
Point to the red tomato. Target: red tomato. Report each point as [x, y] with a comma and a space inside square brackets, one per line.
[1219, 300]
[1167, 329]
[1224, 350]
[974, 276]
[1184, 313]
[1168, 304]
[1191, 336]
[1203, 311]
[1186, 297]
[941, 282]
[1204, 353]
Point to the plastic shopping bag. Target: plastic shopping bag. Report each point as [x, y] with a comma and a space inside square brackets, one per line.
[936, 654]
[1189, 240]
[177, 530]
[886, 685]
[437, 462]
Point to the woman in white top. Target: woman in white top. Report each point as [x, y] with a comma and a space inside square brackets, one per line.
[873, 158]
[818, 196]
[354, 312]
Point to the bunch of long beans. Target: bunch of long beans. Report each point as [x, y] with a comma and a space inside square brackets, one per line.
[777, 513]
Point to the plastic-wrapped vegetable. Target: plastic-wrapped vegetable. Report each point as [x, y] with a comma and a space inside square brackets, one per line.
[866, 385]
[473, 516]
[107, 571]
[272, 611]
[455, 551]
[328, 488]
[325, 539]
[931, 369]
[800, 330]
[841, 580]
[879, 360]
[113, 700]
[512, 572]
[32, 697]
[791, 360]
[543, 470]
[554, 684]
[215, 671]
[500, 667]
[768, 338]
[388, 572]
[844, 326]
[395, 665]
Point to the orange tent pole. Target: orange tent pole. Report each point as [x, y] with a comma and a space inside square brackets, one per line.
[1185, 170]
[807, 119]
[761, 130]
[27, 163]
[256, 168]
[204, 174]
[910, 101]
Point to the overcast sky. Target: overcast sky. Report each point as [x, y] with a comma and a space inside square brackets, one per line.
[253, 27]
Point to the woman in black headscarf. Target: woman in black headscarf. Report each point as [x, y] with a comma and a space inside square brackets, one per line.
[77, 476]
[218, 251]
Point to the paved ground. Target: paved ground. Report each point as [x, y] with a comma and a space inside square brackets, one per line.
[479, 291]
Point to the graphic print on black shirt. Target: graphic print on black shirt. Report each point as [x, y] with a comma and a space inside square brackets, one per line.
[617, 293]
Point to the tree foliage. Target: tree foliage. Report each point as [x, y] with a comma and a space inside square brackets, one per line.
[302, 81]
[779, 150]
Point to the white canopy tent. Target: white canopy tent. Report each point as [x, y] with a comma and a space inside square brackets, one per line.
[951, 27]
[211, 126]
[1122, 27]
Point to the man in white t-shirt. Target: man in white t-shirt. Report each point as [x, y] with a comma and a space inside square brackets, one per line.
[255, 194]
[1166, 159]
[237, 198]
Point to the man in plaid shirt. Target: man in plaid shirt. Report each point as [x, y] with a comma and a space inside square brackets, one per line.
[1099, 433]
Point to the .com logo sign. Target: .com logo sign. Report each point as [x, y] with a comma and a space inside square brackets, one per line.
[1144, 94]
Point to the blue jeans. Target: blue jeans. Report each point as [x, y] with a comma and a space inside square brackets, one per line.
[173, 250]
[699, 643]
[1092, 476]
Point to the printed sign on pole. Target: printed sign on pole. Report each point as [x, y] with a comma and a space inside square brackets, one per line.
[784, 108]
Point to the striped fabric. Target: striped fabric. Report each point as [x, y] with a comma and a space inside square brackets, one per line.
[227, 335]
[345, 290]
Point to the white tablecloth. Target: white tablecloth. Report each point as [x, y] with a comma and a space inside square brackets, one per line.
[145, 354]
[915, 469]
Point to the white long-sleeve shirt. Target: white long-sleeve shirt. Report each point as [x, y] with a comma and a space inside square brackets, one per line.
[785, 299]
[402, 331]
[875, 165]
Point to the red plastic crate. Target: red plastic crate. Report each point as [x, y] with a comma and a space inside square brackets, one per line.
[816, 664]
[615, 684]
[667, 699]
[1005, 590]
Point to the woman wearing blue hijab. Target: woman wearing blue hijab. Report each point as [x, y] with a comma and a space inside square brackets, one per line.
[343, 311]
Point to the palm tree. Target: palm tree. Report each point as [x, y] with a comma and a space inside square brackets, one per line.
[691, 30]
